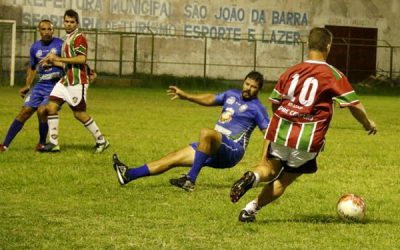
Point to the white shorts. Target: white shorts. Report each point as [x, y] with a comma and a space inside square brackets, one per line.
[294, 158]
[74, 95]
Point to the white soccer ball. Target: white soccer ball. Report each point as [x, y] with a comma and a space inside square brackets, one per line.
[351, 207]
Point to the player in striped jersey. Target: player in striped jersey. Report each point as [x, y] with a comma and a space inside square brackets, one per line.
[36, 98]
[221, 147]
[73, 87]
[302, 101]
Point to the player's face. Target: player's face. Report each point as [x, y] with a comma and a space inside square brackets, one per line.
[250, 88]
[46, 31]
[70, 24]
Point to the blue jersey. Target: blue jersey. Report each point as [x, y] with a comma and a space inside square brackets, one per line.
[48, 76]
[239, 117]
[38, 51]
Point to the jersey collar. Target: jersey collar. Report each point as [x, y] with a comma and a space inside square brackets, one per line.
[315, 61]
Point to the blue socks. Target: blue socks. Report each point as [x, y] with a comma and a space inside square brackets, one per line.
[199, 160]
[134, 173]
[43, 129]
[15, 127]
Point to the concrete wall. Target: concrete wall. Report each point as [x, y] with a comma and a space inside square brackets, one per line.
[232, 26]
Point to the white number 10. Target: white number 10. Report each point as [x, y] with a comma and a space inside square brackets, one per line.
[310, 82]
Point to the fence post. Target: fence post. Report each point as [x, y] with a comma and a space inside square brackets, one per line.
[121, 42]
[391, 63]
[96, 49]
[135, 54]
[347, 57]
[205, 59]
[255, 55]
[1, 55]
[152, 53]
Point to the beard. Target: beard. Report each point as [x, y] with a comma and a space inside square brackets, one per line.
[246, 95]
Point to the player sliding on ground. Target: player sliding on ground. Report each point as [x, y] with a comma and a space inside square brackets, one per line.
[302, 102]
[221, 147]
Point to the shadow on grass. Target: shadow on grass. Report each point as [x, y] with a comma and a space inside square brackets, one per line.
[77, 147]
[322, 219]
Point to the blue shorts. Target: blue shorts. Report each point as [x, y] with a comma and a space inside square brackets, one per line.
[39, 95]
[229, 154]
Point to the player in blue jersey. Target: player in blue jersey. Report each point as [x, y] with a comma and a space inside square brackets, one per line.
[36, 98]
[221, 147]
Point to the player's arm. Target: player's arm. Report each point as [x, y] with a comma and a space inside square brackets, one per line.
[30, 75]
[52, 58]
[359, 113]
[274, 107]
[202, 99]
[58, 64]
[264, 151]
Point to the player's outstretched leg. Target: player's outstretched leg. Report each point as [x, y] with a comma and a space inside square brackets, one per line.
[121, 170]
[241, 186]
[100, 147]
[50, 147]
[248, 214]
[3, 148]
[183, 182]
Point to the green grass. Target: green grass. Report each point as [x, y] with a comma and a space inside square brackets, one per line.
[72, 199]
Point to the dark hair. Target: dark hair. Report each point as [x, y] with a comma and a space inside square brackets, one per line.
[319, 39]
[257, 76]
[72, 13]
[44, 21]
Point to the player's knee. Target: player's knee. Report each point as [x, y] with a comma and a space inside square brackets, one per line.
[207, 134]
[41, 111]
[279, 188]
[52, 108]
[25, 114]
[78, 116]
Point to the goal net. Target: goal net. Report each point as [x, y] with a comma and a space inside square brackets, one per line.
[8, 30]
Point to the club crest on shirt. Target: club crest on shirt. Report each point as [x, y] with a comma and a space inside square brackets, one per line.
[226, 116]
[53, 50]
[243, 108]
[231, 100]
[39, 53]
[75, 99]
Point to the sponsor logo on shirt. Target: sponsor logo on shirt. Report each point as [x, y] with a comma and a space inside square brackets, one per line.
[53, 50]
[243, 108]
[231, 100]
[39, 53]
[226, 115]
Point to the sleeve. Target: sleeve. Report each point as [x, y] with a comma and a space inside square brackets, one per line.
[80, 45]
[59, 47]
[33, 61]
[262, 118]
[276, 95]
[220, 98]
[344, 93]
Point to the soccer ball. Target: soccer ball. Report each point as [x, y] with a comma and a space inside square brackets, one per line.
[351, 207]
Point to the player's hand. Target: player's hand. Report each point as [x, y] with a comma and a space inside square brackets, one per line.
[92, 76]
[176, 93]
[371, 127]
[45, 62]
[48, 60]
[23, 91]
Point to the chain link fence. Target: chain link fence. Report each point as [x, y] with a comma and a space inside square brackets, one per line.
[129, 55]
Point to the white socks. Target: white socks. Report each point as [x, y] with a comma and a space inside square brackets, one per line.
[53, 121]
[257, 180]
[251, 207]
[94, 130]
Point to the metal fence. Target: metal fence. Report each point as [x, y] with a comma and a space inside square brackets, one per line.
[127, 55]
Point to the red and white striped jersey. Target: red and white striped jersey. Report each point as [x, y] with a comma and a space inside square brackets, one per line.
[305, 94]
[75, 44]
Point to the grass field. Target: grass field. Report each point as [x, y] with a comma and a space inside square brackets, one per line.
[72, 199]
